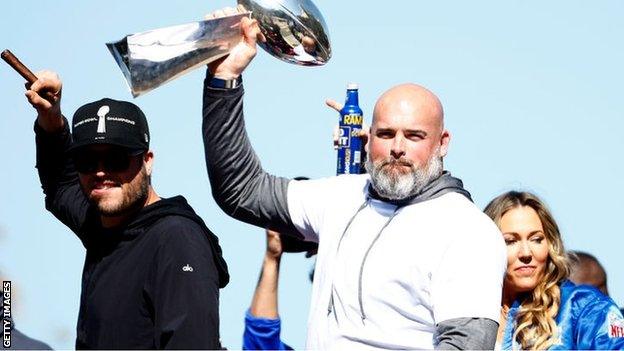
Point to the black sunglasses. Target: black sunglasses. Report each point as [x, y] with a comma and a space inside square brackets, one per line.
[116, 159]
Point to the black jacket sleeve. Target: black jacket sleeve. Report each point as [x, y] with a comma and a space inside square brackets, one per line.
[59, 179]
[184, 289]
[239, 184]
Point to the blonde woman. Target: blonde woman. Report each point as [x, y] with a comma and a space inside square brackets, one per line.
[541, 309]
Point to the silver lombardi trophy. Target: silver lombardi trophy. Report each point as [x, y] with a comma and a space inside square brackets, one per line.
[295, 32]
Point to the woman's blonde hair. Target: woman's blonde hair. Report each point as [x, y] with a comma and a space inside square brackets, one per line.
[535, 321]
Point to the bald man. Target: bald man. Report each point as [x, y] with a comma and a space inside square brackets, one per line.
[587, 270]
[405, 260]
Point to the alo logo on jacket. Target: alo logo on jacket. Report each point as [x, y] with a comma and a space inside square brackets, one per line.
[187, 268]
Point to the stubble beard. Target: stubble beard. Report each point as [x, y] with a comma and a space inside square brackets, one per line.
[133, 197]
[397, 185]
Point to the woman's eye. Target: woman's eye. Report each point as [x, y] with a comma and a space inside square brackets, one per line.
[509, 241]
[538, 240]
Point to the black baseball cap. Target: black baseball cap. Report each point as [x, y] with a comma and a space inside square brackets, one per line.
[109, 121]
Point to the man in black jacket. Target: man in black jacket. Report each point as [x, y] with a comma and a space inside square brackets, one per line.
[153, 269]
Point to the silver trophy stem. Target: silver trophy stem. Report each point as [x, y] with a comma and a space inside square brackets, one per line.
[150, 59]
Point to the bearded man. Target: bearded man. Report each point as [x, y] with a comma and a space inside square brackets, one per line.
[153, 269]
[405, 259]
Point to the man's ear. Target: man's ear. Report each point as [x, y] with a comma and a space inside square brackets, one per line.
[367, 139]
[148, 159]
[445, 139]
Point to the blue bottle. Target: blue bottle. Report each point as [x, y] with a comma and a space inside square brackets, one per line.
[349, 144]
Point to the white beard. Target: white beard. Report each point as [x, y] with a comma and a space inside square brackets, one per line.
[397, 185]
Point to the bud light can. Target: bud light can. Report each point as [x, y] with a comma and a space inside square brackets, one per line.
[349, 143]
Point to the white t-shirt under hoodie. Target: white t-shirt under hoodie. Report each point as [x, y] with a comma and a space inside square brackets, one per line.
[386, 275]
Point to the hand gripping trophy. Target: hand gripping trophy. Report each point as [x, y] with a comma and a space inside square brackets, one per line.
[295, 32]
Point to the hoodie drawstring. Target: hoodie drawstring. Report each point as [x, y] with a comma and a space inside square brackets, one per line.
[362, 314]
[330, 307]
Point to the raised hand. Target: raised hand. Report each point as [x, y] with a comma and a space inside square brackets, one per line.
[274, 244]
[364, 133]
[231, 66]
[45, 96]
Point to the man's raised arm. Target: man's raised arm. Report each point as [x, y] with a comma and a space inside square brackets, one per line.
[239, 184]
[59, 179]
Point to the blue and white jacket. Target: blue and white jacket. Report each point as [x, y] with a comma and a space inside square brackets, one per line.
[587, 320]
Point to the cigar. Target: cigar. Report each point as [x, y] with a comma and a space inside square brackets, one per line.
[18, 66]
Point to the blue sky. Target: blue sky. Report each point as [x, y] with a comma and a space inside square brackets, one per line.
[532, 92]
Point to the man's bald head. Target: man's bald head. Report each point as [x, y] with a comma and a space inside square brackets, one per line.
[410, 98]
[587, 270]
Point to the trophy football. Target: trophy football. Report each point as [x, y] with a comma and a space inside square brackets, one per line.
[295, 32]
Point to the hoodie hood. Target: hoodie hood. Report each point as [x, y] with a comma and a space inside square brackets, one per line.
[176, 206]
[445, 183]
